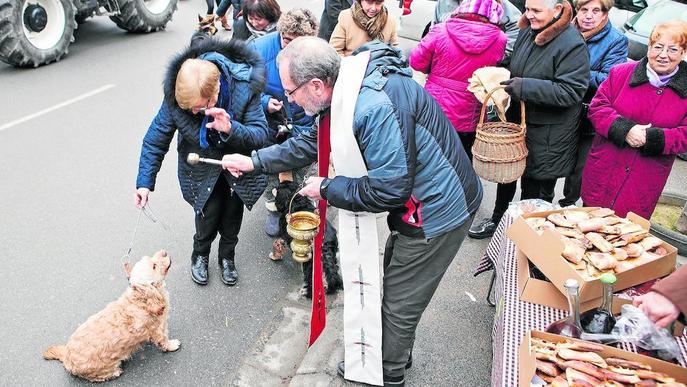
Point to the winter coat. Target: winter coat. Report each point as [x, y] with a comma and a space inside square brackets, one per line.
[417, 168]
[450, 53]
[616, 175]
[330, 16]
[268, 47]
[348, 37]
[554, 66]
[508, 23]
[248, 127]
[606, 49]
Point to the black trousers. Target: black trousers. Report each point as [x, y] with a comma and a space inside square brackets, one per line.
[223, 213]
[529, 189]
[573, 183]
[468, 140]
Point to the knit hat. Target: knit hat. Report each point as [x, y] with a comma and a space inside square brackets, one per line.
[490, 9]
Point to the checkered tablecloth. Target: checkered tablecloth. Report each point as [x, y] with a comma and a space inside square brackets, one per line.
[513, 318]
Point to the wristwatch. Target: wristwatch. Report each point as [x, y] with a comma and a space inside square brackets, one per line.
[323, 187]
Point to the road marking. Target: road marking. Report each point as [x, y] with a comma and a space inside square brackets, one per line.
[58, 106]
[472, 298]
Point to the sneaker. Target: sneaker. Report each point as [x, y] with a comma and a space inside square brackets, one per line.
[485, 229]
[272, 223]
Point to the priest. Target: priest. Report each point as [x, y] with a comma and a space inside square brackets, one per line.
[393, 150]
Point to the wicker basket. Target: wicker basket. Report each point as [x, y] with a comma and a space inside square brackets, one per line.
[499, 153]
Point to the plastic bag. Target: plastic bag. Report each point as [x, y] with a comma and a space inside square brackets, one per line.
[530, 205]
[633, 326]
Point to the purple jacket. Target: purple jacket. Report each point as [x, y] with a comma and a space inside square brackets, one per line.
[616, 175]
[450, 53]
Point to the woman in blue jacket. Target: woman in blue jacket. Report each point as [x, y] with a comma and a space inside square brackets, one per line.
[231, 78]
[607, 48]
[284, 119]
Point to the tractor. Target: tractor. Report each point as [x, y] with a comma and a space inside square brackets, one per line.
[38, 32]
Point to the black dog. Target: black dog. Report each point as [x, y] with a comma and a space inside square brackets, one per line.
[330, 246]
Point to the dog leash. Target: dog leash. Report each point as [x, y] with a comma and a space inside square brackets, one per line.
[148, 212]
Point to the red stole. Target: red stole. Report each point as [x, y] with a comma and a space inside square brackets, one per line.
[318, 317]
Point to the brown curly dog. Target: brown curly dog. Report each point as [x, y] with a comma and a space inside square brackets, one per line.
[97, 347]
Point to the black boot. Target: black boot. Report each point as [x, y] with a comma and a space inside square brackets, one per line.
[389, 381]
[199, 269]
[229, 273]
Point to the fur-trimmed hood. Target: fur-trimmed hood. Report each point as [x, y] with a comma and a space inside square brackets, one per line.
[554, 29]
[243, 63]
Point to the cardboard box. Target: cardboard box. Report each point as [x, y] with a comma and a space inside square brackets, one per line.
[545, 252]
[527, 367]
[541, 292]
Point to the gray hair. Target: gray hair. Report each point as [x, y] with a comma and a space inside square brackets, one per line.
[310, 57]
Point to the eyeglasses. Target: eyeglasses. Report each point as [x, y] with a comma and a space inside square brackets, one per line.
[289, 93]
[658, 50]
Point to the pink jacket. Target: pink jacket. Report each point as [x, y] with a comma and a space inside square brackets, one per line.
[619, 176]
[450, 53]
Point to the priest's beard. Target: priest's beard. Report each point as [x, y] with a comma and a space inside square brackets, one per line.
[312, 106]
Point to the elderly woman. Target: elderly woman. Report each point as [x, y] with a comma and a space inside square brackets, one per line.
[212, 103]
[284, 118]
[451, 52]
[640, 117]
[607, 48]
[259, 19]
[364, 22]
[550, 72]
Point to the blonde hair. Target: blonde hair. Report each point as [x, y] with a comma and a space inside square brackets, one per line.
[606, 5]
[677, 29]
[298, 22]
[197, 79]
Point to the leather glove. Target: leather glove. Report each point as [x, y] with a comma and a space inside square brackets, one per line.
[513, 87]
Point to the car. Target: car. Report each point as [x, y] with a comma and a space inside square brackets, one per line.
[639, 27]
[416, 19]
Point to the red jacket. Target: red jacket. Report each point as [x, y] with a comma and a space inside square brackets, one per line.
[450, 53]
[616, 175]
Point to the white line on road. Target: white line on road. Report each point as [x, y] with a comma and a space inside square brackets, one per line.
[59, 105]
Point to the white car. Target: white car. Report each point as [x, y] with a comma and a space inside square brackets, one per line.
[416, 19]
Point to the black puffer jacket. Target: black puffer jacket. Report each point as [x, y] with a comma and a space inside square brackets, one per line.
[248, 127]
[554, 66]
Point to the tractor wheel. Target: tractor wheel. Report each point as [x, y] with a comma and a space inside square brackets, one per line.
[144, 15]
[35, 32]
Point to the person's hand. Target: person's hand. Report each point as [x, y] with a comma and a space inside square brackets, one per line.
[658, 308]
[236, 164]
[141, 197]
[513, 86]
[312, 188]
[636, 137]
[221, 121]
[274, 105]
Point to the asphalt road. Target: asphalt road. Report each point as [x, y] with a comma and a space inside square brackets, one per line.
[67, 216]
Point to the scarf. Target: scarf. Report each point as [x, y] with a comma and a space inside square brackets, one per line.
[659, 80]
[591, 33]
[224, 102]
[256, 33]
[373, 26]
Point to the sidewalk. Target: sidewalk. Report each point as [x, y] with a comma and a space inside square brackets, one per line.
[452, 348]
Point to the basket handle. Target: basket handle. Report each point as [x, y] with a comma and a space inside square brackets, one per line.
[485, 103]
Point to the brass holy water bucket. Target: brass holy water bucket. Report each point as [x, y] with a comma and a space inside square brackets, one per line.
[302, 226]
